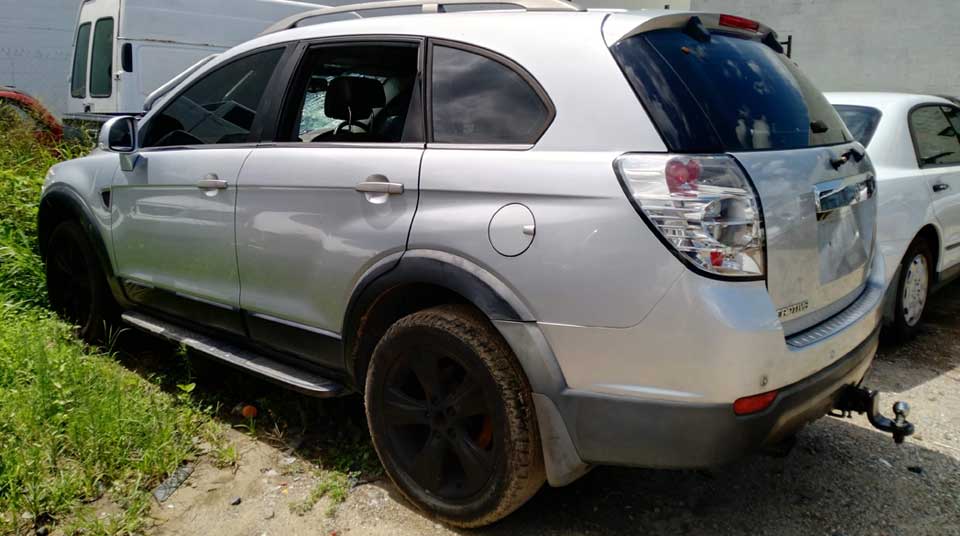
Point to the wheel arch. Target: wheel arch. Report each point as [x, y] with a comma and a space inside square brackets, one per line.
[62, 203]
[418, 280]
[931, 235]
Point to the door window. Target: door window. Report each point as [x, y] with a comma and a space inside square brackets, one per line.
[101, 60]
[219, 108]
[935, 137]
[78, 78]
[358, 93]
[477, 99]
[862, 121]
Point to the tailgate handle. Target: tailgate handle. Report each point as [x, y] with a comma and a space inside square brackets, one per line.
[833, 195]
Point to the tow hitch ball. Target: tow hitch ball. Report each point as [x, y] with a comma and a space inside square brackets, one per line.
[863, 400]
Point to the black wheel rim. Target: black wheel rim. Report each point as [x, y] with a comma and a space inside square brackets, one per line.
[440, 422]
[68, 282]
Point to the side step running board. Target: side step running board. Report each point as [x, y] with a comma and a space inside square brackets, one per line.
[296, 379]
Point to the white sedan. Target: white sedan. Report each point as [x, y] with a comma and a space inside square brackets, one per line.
[914, 145]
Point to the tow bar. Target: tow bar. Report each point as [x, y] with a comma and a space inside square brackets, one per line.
[863, 400]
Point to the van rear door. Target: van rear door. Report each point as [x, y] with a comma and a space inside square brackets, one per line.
[716, 84]
[93, 85]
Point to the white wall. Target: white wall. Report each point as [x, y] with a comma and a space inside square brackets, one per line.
[865, 45]
[35, 48]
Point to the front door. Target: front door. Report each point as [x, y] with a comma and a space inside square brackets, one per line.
[173, 214]
[935, 133]
[332, 195]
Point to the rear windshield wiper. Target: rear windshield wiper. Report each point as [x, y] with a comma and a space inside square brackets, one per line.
[818, 127]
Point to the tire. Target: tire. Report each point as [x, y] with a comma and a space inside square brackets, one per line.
[76, 285]
[452, 418]
[913, 289]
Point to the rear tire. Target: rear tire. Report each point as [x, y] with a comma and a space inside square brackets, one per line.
[913, 289]
[452, 417]
[76, 285]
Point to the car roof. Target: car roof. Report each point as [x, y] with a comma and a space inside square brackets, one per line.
[882, 100]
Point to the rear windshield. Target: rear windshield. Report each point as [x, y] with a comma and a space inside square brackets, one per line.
[725, 94]
[861, 121]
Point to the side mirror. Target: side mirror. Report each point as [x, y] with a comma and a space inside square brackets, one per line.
[119, 135]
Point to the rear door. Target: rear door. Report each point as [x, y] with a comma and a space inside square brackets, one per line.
[333, 194]
[729, 90]
[934, 128]
[93, 85]
[173, 230]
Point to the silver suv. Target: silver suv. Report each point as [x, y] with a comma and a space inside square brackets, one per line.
[535, 240]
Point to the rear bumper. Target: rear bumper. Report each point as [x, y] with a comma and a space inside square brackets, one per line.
[619, 430]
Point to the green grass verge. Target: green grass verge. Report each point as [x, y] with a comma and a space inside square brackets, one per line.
[79, 433]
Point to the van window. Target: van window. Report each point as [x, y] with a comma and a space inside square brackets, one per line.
[860, 120]
[78, 78]
[219, 108]
[101, 60]
[477, 99]
[935, 138]
[354, 93]
[728, 93]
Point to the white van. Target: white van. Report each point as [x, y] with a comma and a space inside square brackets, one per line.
[125, 49]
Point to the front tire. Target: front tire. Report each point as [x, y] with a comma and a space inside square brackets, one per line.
[913, 289]
[76, 285]
[452, 417]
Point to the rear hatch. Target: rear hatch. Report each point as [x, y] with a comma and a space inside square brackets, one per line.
[715, 84]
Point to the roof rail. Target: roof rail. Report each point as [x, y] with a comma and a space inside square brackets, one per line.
[429, 6]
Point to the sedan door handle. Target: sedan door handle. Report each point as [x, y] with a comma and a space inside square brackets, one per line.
[211, 182]
[379, 187]
[940, 186]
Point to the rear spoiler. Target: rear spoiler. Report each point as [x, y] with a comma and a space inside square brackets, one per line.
[174, 82]
[617, 28]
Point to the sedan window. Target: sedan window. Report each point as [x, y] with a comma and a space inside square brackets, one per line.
[861, 121]
[934, 136]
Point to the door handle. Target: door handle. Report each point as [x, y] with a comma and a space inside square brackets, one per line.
[832, 195]
[211, 182]
[940, 186]
[379, 186]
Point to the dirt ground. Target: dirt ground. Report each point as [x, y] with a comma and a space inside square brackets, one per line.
[843, 477]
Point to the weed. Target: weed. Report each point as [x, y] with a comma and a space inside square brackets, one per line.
[330, 483]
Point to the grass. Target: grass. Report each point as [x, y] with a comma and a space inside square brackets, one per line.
[82, 433]
[78, 431]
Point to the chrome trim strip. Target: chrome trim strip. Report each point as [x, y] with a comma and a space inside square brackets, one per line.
[844, 319]
[297, 325]
[481, 146]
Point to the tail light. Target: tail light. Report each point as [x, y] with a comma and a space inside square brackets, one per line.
[703, 207]
[754, 404]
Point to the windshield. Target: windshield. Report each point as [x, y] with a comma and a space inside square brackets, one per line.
[861, 121]
[728, 93]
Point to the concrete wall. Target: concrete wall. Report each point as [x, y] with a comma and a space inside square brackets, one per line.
[865, 45]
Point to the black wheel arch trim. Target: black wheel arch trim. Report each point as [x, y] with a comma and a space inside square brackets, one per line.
[67, 198]
[454, 273]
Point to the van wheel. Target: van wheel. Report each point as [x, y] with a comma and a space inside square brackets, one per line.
[452, 418]
[76, 285]
[916, 273]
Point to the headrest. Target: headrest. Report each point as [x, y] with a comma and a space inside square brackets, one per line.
[317, 84]
[353, 96]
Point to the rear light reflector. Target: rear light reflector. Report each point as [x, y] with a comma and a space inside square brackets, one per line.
[733, 21]
[754, 404]
[703, 207]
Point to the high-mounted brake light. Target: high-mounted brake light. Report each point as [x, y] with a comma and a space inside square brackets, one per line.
[733, 21]
[703, 207]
